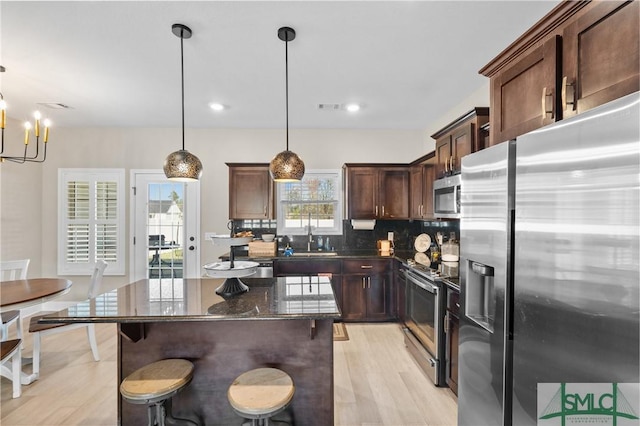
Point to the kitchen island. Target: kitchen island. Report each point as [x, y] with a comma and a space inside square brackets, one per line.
[285, 323]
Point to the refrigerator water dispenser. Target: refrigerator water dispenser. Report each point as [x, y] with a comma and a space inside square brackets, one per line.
[481, 298]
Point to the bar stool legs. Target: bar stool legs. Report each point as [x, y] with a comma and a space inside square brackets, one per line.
[260, 394]
[154, 385]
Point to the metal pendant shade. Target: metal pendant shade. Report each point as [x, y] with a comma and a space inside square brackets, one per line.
[181, 165]
[286, 166]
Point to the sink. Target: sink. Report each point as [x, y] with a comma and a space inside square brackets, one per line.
[314, 253]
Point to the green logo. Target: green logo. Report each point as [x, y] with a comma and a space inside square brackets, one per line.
[588, 403]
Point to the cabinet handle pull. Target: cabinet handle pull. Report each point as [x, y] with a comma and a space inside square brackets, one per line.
[369, 281]
[446, 324]
[376, 211]
[265, 211]
[446, 166]
[366, 266]
[382, 211]
[451, 163]
[363, 284]
[545, 95]
[563, 94]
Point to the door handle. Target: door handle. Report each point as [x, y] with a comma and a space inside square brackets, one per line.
[545, 95]
[563, 94]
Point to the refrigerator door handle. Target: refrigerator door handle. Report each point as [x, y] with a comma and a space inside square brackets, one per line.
[480, 269]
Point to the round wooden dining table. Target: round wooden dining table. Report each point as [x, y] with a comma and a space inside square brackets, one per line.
[20, 294]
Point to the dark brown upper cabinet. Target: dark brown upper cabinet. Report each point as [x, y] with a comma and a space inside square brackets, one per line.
[251, 191]
[376, 191]
[421, 187]
[580, 55]
[457, 139]
[600, 56]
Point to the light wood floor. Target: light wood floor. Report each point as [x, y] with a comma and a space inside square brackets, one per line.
[376, 383]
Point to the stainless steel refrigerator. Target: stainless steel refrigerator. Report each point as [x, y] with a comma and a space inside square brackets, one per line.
[550, 281]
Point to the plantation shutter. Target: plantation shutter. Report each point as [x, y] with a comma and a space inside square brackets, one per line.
[92, 220]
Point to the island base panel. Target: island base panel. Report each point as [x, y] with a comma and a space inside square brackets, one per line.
[221, 351]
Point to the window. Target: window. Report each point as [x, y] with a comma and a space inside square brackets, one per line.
[315, 200]
[91, 221]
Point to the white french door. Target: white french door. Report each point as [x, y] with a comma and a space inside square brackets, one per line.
[165, 220]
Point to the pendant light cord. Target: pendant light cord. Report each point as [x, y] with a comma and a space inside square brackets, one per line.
[286, 73]
[182, 77]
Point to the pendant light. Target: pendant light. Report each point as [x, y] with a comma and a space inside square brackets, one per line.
[181, 165]
[286, 166]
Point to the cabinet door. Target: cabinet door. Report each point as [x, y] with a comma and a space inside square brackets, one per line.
[429, 175]
[523, 97]
[416, 201]
[362, 187]
[353, 297]
[461, 145]
[443, 156]
[378, 296]
[600, 56]
[250, 193]
[393, 194]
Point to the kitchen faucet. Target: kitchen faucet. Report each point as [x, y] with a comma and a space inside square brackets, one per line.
[309, 234]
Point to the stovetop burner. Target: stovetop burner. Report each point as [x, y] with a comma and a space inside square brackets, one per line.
[430, 273]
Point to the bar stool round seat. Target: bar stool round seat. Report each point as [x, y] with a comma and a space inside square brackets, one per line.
[261, 394]
[155, 384]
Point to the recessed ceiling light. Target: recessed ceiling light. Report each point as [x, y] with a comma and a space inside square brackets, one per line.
[217, 107]
[352, 107]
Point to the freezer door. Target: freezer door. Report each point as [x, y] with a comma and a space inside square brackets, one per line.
[576, 288]
[487, 177]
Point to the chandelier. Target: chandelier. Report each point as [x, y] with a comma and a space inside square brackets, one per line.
[28, 155]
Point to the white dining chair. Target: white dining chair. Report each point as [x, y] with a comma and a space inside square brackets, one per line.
[41, 330]
[12, 270]
[11, 350]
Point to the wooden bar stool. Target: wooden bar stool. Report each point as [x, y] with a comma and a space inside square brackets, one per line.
[155, 384]
[261, 394]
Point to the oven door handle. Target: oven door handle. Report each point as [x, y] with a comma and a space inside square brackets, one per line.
[426, 286]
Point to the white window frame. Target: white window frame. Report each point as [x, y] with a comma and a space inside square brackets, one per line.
[92, 176]
[335, 230]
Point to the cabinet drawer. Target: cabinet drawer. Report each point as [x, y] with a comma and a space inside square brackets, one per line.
[306, 267]
[366, 266]
[453, 301]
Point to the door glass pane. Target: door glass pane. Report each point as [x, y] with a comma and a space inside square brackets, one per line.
[165, 229]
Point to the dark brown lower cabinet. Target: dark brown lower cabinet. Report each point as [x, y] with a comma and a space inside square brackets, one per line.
[366, 290]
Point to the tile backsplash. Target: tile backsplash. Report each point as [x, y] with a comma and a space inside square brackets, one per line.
[404, 231]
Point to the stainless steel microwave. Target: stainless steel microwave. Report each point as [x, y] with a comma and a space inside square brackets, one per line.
[446, 197]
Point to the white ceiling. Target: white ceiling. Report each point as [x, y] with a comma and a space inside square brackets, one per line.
[117, 64]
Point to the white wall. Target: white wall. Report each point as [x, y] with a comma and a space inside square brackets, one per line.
[20, 204]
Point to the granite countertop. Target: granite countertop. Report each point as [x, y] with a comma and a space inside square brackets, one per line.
[194, 299]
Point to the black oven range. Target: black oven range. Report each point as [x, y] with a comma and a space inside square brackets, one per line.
[423, 318]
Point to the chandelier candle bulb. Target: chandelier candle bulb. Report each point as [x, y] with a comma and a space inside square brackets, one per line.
[47, 123]
[37, 116]
[3, 114]
[27, 127]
